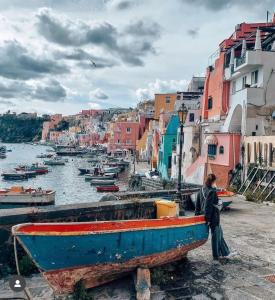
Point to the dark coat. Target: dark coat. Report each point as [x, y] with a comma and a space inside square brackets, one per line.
[205, 206]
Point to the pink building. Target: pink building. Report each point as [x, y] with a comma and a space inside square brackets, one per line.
[88, 139]
[48, 125]
[123, 135]
[55, 135]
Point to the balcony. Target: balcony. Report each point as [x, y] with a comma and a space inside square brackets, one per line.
[248, 62]
[251, 95]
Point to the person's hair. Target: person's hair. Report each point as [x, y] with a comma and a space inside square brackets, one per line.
[210, 179]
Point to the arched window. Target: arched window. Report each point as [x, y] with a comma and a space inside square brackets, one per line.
[221, 150]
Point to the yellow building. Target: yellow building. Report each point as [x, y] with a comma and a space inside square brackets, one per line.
[164, 102]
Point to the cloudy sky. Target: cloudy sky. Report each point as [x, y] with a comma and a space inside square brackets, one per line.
[68, 55]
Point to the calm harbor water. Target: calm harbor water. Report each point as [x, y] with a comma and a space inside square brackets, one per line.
[65, 180]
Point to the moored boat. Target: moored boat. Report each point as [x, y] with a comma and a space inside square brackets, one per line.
[84, 171]
[19, 196]
[111, 170]
[55, 162]
[98, 252]
[102, 181]
[107, 188]
[34, 167]
[14, 176]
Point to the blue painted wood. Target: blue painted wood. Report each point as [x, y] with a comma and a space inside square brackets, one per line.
[59, 252]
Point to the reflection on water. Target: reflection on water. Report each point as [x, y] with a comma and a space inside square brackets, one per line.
[65, 180]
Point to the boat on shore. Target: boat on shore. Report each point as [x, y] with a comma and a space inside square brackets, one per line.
[108, 188]
[102, 181]
[99, 252]
[17, 196]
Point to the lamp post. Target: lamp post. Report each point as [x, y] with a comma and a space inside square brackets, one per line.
[182, 113]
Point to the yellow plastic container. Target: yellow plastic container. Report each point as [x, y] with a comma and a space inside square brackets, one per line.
[166, 208]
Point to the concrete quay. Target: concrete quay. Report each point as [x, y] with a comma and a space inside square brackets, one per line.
[248, 228]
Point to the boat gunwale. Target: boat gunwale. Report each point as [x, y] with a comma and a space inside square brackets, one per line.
[21, 229]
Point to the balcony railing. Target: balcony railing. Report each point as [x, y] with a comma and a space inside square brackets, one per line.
[240, 60]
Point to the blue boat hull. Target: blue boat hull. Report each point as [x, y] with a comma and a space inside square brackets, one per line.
[98, 257]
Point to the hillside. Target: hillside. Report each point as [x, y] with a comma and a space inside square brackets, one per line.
[18, 129]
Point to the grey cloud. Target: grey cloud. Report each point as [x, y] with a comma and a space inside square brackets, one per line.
[18, 63]
[217, 5]
[13, 89]
[7, 102]
[193, 32]
[85, 58]
[144, 28]
[98, 94]
[48, 90]
[51, 91]
[131, 45]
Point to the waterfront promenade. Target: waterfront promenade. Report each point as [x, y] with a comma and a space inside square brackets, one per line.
[248, 228]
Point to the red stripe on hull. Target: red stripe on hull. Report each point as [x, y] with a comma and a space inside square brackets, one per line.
[52, 228]
[63, 281]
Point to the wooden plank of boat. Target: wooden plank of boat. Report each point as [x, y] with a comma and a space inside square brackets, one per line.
[102, 182]
[98, 252]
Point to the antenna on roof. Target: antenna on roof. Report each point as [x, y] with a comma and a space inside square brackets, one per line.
[267, 16]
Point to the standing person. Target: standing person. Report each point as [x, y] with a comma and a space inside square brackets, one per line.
[207, 204]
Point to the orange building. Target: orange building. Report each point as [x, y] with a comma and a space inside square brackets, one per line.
[164, 102]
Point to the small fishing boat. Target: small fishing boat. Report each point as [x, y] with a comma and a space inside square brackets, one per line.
[55, 162]
[17, 196]
[34, 167]
[89, 177]
[102, 181]
[14, 176]
[99, 252]
[111, 170]
[44, 156]
[3, 155]
[108, 188]
[84, 171]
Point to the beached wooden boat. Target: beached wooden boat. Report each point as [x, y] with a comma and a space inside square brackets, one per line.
[98, 252]
[19, 196]
[102, 181]
[108, 188]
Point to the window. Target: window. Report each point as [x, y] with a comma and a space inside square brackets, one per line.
[221, 150]
[169, 162]
[167, 99]
[234, 87]
[128, 142]
[118, 141]
[254, 77]
[253, 133]
[210, 103]
[128, 129]
[244, 82]
[191, 117]
[175, 160]
[212, 150]
[257, 127]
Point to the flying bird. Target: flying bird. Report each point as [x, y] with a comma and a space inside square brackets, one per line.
[92, 63]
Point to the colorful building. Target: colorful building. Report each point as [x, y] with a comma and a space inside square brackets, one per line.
[164, 102]
[238, 101]
[167, 145]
